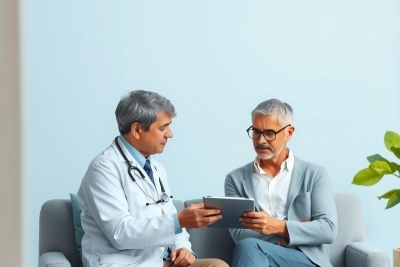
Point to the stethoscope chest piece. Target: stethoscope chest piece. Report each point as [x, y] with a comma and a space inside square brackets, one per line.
[164, 197]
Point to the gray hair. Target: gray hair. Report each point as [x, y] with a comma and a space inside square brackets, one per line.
[271, 106]
[141, 107]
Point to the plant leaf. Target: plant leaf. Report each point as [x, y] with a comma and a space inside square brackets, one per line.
[394, 166]
[392, 139]
[367, 177]
[381, 167]
[387, 195]
[376, 157]
[393, 201]
[396, 151]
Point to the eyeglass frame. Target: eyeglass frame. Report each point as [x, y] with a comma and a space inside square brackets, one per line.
[262, 132]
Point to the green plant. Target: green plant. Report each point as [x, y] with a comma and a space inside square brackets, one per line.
[380, 166]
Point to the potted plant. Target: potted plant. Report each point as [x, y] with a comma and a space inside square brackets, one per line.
[378, 168]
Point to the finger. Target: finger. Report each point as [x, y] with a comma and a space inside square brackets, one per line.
[173, 255]
[253, 214]
[208, 212]
[208, 220]
[191, 259]
[181, 259]
[254, 226]
[211, 219]
[252, 220]
[196, 206]
[258, 230]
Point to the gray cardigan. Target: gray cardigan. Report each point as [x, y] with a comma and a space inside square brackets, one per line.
[310, 199]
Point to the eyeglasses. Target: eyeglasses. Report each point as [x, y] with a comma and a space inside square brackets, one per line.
[269, 135]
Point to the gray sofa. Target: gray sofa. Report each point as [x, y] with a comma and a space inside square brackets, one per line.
[57, 245]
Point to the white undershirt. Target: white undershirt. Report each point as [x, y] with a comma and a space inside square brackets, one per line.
[271, 192]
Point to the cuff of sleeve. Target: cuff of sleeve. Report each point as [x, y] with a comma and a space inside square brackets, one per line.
[178, 228]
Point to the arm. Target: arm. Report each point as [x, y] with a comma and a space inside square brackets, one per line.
[53, 259]
[322, 228]
[239, 234]
[361, 254]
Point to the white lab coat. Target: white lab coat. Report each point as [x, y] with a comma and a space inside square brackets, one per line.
[120, 230]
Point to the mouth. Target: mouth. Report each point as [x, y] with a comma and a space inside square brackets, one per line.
[264, 148]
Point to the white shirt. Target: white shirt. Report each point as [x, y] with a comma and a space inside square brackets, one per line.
[271, 192]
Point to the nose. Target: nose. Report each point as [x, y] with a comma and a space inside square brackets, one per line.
[168, 133]
[261, 139]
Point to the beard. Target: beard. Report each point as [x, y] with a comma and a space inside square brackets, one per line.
[273, 154]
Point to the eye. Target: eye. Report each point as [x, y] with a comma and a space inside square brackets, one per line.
[162, 129]
[269, 134]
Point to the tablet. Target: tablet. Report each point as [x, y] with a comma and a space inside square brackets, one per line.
[231, 209]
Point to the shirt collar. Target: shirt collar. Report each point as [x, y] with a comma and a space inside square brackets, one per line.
[288, 164]
[134, 152]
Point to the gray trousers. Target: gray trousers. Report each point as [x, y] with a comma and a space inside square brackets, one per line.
[259, 253]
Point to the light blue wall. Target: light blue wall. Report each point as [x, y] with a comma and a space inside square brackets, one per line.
[337, 63]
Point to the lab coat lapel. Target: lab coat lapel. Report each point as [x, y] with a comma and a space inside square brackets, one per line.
[248, 185]
[295, 183]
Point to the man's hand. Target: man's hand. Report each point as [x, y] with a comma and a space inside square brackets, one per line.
[264, 223]
[182, 257]
[195, 216]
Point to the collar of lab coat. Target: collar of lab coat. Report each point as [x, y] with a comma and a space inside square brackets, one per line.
[136, 164]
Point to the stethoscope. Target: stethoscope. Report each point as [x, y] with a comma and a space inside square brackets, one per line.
[163, 198]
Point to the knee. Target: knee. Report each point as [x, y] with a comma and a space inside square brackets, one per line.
[247, 244]
[219, 263]
[211, 262]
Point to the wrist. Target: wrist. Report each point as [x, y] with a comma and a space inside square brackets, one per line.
[180, 219]
[281, 228]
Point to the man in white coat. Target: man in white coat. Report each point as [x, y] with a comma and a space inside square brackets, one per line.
[127, 210]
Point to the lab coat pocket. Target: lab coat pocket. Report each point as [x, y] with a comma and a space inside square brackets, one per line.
[302, 207]
[110, 260]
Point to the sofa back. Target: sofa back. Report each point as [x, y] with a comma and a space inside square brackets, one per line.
[56, 230]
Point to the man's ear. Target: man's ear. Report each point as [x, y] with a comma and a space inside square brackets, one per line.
[135, 130]
[290, 133]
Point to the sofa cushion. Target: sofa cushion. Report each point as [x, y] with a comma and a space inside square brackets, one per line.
[76, 217]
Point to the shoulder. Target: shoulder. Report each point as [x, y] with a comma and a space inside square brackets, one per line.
[307, 165]
[108, 156]
[309, 169]
[107, 163]
[239, 173]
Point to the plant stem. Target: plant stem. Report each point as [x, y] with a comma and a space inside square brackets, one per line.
[396, 175]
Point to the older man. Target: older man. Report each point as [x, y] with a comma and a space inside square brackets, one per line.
[295, 215]
[127, 211]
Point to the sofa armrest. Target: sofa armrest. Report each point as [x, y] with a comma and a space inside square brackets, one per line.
[53, 259]
[361, 254]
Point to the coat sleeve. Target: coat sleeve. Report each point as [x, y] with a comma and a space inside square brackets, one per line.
[103, 198]
[322, 228]
[181, 239]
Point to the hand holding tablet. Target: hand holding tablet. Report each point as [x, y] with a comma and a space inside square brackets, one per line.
[231, 209]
